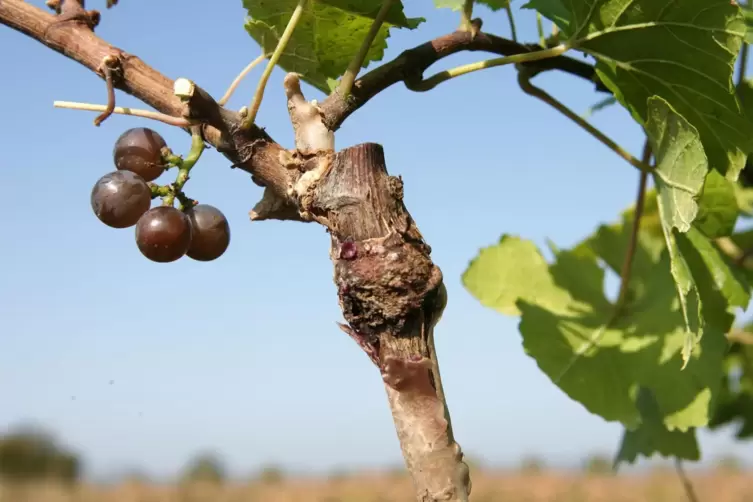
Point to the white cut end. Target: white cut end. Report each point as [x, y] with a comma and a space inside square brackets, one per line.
[183, 88]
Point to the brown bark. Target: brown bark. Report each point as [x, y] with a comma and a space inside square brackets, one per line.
[392, 295]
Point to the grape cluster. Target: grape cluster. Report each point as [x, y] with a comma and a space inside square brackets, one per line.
[123, 198]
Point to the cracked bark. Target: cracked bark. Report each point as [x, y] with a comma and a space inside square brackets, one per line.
[392, 295]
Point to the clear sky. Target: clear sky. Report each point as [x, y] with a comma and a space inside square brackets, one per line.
[138, 364]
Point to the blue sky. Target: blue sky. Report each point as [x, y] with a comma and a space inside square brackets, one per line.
[140, 364]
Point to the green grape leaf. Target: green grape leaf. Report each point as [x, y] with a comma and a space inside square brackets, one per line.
[526, 278]
[328, 35]
[494, 5]
[718, 206]
[681, 50]
[681, 164]
[679, 175]
[712, 270]
[596, 357]
[652, 437]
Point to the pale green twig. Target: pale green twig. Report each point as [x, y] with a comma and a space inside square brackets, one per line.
[540, 29]
[435, 80]
[185, 166]
[253, 110]
[167, 119]
[224, 99]
[349, 77]
[627, 265]
[466, 15]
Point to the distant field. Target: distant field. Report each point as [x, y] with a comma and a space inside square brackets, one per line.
[487, 487]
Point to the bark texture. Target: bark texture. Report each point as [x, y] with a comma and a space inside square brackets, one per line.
[392, 295]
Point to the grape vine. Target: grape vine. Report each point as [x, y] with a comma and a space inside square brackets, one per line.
[668, 356]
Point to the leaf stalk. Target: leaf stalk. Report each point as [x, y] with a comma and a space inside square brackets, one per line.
[253, 110]
[524, 80]
[349, 77]
[627, 266]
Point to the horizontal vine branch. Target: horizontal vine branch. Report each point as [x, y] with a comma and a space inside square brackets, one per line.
[75, 39]
[411, 64]
[71, 34]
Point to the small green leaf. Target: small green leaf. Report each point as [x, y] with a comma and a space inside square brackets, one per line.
[510, 270]
[329, 33]
[652, 437]
[718, 206]
[681, 50]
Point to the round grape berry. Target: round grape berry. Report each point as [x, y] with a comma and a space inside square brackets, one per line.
[120, 198]
[139, 150]
[210, 233]
[163, 234]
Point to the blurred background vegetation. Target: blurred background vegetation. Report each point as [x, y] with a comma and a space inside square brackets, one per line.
[36, 467]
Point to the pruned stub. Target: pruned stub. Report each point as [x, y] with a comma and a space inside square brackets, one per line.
[382, 284]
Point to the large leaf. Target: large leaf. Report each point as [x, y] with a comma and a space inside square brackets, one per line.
[681, 168]
[601, 360]
[651, 436]
[328, 35]
[681, 50]
[680, 175]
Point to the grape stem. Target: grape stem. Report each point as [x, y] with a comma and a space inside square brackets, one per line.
[686, 483]
[466, 15]
[167, 119]
[241, 76]
[253, 110]
[540, 29]
[524, 80]
[627, 266]
[349, 77]
[175, 189]
[511, 19]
